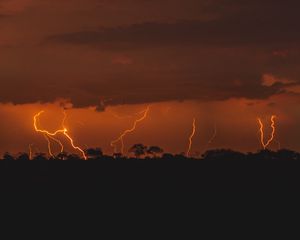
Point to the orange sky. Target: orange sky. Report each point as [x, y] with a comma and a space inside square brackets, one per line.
[168, 125]
[208, 59]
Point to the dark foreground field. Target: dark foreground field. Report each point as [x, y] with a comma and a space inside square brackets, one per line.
[150, 175]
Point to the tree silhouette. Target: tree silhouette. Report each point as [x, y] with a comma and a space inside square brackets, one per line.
[138, 150]
[284, 154]
[73, 157]
[40, 157]
[117, 155]
[23, 157]
[155, 151]
[266, 155]
[222, 154]
[8, 157]
[167, 156]
[62, 156]
[94, 153]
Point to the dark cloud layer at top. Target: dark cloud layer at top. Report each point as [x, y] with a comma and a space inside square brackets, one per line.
[223, 52]
[259, 29]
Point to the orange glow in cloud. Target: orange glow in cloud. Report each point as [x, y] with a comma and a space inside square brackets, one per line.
[191, 138]
[63, 131]
[121, 137]
[261, 129]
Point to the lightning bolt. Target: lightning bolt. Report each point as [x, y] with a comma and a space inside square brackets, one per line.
[35, 120]
[279, 144]
[70, 138]
[46, 133]
[49, 145]
[119, 117]
[30, 151]
[261, 130]
[214, 135]
[52, 135]
[58, 142]
[121, 137]
[191, 138]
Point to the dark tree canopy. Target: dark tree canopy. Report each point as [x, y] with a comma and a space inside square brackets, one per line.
[138, 150]
[94, 153]
[155, 151]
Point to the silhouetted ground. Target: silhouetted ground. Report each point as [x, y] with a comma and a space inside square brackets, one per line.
[259, 172]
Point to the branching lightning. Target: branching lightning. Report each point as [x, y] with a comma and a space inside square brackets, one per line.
[52, 135]
[261, 130]
[58, 142]
[70, 138]
[121, 137]
[191, 138]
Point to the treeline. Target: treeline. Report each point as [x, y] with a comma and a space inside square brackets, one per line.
[140, 151]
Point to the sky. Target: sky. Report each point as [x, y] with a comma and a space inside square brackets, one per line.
[224, 62]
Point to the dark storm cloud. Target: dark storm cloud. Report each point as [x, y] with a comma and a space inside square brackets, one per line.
[263, 24]
[222, 53]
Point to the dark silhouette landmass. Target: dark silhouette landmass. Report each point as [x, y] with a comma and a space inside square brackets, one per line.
[150, 169]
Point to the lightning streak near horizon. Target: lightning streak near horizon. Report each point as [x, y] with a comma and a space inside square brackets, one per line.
[70, 138]
[63, 131]
[121, 137]
[191, 138]
[261, 130]
[49, 145]
[214, 135]
[30, 152]
[58, 142]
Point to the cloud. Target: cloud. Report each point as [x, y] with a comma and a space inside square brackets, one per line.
[256, 24]
[203, 50]
[10, 7]
[269, 80]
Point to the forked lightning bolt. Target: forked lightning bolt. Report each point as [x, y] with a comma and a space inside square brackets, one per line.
[121, 137]
[191, 138]
[70, 138]
[261, 129]
[58, 142]
[52, 135]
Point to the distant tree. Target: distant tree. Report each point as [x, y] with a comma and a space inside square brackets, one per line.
[180, 156]
[94, 153]
[138, 150]
[23, 157]
[167, 156]
[73, 157]
[284, 154]
[155, 151]
[265, 155]
[40, 157]
[62, 156]
[8, 157]
[117, 155]
[223, 154]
